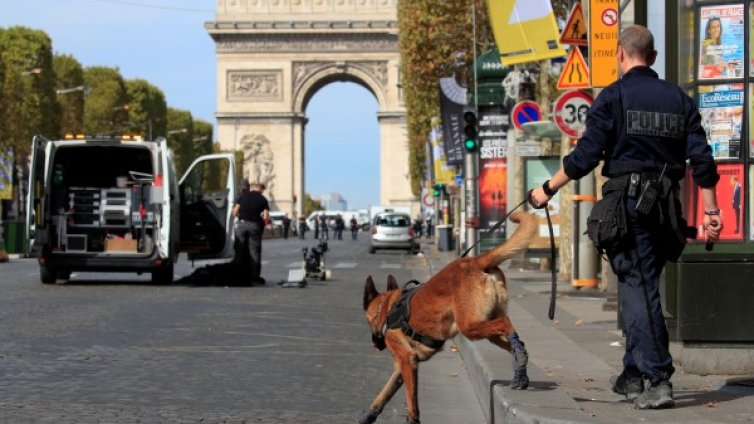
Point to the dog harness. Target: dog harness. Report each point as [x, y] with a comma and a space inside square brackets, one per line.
[399, 315]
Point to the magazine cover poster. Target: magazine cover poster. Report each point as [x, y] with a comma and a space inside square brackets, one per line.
[493, 198]
[721, 108]
[721, 42]
[730, 200]
[751, 203]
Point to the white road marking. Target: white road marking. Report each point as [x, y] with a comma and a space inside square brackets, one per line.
[296, 264]
[345, 265]
[391, 266]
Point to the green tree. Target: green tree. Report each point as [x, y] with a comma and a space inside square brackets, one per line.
[202, 138]
[106, 106]
[147, 107]
[311, 205]
[180, 137]
[69, 74]
[28, 100]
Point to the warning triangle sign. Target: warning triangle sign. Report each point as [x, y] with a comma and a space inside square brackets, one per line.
[574, 32]
[575, 72]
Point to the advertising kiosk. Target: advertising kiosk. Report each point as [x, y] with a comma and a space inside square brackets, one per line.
[710, 293]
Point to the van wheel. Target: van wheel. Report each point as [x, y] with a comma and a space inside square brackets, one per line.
[163, 274]
[47, 275]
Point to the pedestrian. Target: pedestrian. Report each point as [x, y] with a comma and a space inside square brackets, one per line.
[323, 225]
[429, 226]
[340, 225]
[286, 225]
[644, 141]
[302, 227]
[252, 211]
[418, 226]
[354, 228]
[316, 227]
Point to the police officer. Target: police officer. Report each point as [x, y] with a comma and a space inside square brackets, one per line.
[644, 129]
[252, 211]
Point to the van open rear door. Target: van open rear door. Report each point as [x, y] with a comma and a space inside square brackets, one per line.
[37, 215]
[207, 191]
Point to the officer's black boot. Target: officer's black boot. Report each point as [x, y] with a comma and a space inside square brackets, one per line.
[629, 383]
[655, 396]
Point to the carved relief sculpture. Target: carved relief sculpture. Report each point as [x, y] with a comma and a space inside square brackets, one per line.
[259, 166]
[255, 85]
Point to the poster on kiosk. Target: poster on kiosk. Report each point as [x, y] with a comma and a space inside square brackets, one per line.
[730, 199]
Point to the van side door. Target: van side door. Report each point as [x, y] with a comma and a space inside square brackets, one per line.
[206, 192]
[37, 203]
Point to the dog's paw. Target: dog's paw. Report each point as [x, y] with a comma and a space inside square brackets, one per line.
[520, 359]
[412, 421]
[520, 380]
[368, 417]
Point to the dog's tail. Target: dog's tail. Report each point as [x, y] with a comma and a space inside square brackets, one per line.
[516, 244]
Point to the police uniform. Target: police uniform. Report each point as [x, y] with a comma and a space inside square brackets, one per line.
[645, 129]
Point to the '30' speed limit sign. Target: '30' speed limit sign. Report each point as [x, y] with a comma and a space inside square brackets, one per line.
[570, 112]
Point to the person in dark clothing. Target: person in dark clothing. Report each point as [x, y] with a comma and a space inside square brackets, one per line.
[418, 227]
[644, 129]
[252, 211]
[286, 225]
[340, 225]
[354, 228]
[302, 227]
[324, 227]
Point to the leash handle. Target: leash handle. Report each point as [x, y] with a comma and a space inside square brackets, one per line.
[554, 286]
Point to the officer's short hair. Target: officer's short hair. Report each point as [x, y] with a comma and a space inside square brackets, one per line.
[637, 41]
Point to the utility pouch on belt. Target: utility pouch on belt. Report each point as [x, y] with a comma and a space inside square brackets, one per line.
[606, 225]
[647, 197]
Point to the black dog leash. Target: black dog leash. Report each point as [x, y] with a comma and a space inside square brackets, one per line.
[554, 285]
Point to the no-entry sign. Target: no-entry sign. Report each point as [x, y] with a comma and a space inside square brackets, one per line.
[570, 112]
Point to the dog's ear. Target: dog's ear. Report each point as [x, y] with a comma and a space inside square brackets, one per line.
[370, 292]
[392, 283]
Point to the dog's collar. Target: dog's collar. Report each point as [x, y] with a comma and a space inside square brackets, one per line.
[398, 318]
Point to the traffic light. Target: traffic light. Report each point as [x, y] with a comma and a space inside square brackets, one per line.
[439, 189]
[472, 132]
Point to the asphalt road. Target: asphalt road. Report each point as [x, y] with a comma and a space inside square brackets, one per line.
[114, 348]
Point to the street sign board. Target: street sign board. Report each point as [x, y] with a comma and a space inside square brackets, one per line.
[528, 148]
[526, 111]
[574, 32]
[570, 112]
[575, 72]
[603, 41]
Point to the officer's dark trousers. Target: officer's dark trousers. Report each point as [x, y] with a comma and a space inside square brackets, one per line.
[638, 268]
[249, 235]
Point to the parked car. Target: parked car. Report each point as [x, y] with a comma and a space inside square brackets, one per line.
[393, 230]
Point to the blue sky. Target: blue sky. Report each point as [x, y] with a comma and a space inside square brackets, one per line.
[164, 42]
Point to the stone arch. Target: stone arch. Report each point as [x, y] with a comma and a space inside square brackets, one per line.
[312, 77]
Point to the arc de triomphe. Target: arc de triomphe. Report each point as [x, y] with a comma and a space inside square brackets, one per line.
[273, 56]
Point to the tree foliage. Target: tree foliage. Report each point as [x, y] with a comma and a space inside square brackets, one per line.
[311, 205]
[69, 74]
[147, 112]
[106, 106]
[28, 99]
[432, 37]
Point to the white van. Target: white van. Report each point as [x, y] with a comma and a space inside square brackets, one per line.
[115, 204]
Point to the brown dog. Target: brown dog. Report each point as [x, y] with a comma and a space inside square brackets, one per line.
[468, 296]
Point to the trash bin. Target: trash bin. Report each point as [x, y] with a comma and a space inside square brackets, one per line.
[445, 238]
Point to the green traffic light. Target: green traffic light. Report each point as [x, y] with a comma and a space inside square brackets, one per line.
[470, 144]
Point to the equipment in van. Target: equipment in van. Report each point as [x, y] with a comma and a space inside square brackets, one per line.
[115, 204]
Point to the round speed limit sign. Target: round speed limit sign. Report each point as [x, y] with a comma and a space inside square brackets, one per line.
[570, 112]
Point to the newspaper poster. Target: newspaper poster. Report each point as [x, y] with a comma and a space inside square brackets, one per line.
[6, 174]
[730, 199]
[721, 45]
[721, 108]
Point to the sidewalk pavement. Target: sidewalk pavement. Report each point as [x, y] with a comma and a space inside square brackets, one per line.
[571, 360]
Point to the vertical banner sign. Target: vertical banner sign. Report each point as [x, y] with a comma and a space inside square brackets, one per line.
[751, 202]
[442, 172]
[6, 174]
[493, 198]
[525, 30]
[603, 41]
[452, 102]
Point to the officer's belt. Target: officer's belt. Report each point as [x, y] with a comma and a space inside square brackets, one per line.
[665, 196]
[399, 315]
